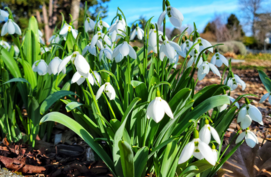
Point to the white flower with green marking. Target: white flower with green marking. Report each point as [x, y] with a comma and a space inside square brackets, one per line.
[123, 50]
[206, 131]
[40, 67]
[204, 69]
[250, 138]
[66, 29]
[247, 114]
[10, 27]
[89, 24]
[108, 89]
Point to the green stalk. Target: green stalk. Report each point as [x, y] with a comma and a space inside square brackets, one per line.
[164, 22]
[146, 131]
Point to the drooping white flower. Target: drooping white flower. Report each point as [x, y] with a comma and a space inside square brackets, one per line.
[53, 66]
[3, 15]
[203, 44]
[107, 52]
[224, 106]
[219, 59]
[175, 17]
[79, 79]
[40, 67]
[152, 43]
[68, 28]
[198, 149]
[265, 96]
[157, 109]
[247, 114]
[5, 45]
[90, 49]
[54, 39]
[123, 50]
[102, 24]
[108, 89]
[204, 69]
[205, 133]
[234, 81]
[193, 59]
[186, 45]
[250, 138]
[137, 31]
[10, 27]
[89, 24]
[79, 61]
[98, 77]
[98, 39]
[117, 28]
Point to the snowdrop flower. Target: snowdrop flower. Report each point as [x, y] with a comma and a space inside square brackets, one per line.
[186, 45]
[108, 89]
[54, 39]
[90, 49]
[102, 24]
[219, 59]
[198, 149]
[16, 49]
[206, 131]
[107, 52]
[68, 28]
[202, 44]
[214, 152]
[265, 96]
[250, 138]
[247, 114]
[233, 80]
[137, 31]
[194, 58]
[152, 43]
[3, 15]
[204, 69]
[98, 39]
[53, 66]
[123, 50]
[79, 61]
[98, 77]
[89, 24]
[79, 79]
[10, 27]
[117, 28]
[224, 106]
[5, 45]
[175, 16]
[40, 67]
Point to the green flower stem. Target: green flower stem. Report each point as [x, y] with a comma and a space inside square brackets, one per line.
[164, 21]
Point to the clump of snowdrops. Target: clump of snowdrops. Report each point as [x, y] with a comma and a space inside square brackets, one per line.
[137, 108]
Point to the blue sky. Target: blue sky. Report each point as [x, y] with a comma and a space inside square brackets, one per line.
[198, 11]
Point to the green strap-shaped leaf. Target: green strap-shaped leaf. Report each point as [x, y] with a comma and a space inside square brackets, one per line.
[29, 73]
[72, 105]
[140, 161]
[265, 80]
[51, 99]
[127, 159]
[80, 131]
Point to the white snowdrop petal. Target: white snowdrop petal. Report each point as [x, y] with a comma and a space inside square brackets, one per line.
[245, 123]
[240, 137]
[75, 77]
[264, 97]
[133, 34]
[213, 60]
[215, 135]
[17, 29]
[81, 65]
[187, 152]
[158, 110]
[215, 154]
[176, 17]
[255, 113]
[242, 114]
[206, 151]
[205, 134]
[251, 142]
[214, 69]
[10, 27]
[167, 109]
[161, 18]
[110, 92]
[99, 92]
[90, 79]
[149, 113]
[132, 52]
[64, 63]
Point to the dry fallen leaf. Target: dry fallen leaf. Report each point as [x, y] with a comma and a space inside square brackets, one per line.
[248, 162]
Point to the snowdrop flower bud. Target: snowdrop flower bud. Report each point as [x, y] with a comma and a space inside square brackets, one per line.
[123, 50]
[89, 24]
[204, 69]
[198, 149]
[250, 138]
[175, 16]
[219, 59]
[80, 63]
[233, 80]
[68, 28]
[108, 89]
[194, 58]
[117, 28]
[206, 131]
[107, 52]
[54, 39]
[224, 106]
[265, 96]
[10, 27]
[3, 15]
[158, 108]
[203, 44]
[40, 67]
[79, 79]
[137, 31]
[247, 114]
[53, 66]
[5, 45]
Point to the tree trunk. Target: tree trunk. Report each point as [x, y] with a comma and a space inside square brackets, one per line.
[75, 8]
[46, 24]
[39, 20]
